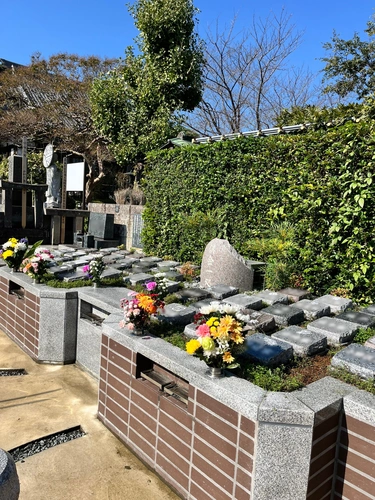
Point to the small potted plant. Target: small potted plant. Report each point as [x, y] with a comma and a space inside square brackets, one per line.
[219, 337]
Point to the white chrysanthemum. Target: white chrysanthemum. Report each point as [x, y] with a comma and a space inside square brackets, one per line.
[214, 306]
[228, 308]
[20, 247]
[8, 244]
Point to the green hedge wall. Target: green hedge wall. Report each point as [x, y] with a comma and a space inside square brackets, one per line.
[320, 181]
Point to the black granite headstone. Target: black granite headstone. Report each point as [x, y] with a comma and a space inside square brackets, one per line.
[101, 225]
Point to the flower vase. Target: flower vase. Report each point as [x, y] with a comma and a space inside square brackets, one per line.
[215, 372]
[95, 285]
[139, 331]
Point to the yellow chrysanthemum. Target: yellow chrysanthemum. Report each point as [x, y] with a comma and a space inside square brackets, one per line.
[213, 331]
[192, 346]
[212, 321]
[7, 253]
[227, 357]
[237, 338]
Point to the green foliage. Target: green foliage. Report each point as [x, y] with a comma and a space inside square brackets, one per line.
[4, 168]
[320, 182]
[350, 378]
[363, 335]
[350, 64]
[271, 379]
[135, 105]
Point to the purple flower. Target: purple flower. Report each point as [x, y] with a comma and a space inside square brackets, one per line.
[151, 285]
[24, 240]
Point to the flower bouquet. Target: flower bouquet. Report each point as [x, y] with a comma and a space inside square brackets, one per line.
[139, 307]
[95, 269]
[36, 266]
[219, 336]
[15, 251]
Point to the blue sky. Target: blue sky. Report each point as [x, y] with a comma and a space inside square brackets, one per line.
[105, 28]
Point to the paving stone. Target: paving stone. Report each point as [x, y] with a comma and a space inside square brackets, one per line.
[304, 342]
[362, 319]
[192, 294]
[369, 310]
[295, 294]
[267, 351]
[190, 330]
[245, 301]
[271, 298]
[285, 315]
[221, 292]
[256, 320]
[177, 314]
[336, 304]
[337, 331]
[138, 278]
[312, 310]
[357, 359]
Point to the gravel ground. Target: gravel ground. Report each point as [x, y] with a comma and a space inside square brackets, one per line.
[5, 372]
[39, 445]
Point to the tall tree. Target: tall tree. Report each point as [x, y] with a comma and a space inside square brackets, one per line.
[48, 101]
[247, 80]
[350, 65]
[136, 106]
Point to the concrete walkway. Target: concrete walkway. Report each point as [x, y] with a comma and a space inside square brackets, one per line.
[52, 398]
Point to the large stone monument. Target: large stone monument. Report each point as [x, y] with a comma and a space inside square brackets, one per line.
[222, 265]
[53, 178]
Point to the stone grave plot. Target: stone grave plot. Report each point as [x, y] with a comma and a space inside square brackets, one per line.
[270, 298]
[177, 314]
[304, 342]
[285, 315]
[244, 301]
[337, 331]
[257, 320]
[138, 278]
[167, 265]
[295, 294]
[357, 359]
[360, 318]
[266, 350]
[312, 310]
[336, 304]
[220, 292]
[204, 302]
[192, 294]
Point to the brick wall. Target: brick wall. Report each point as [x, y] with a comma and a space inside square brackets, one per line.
[202, 448]
[355, 476]
[19, 317]
[323, 453]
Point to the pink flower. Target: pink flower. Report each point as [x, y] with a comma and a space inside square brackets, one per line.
[86, 268]
[130, 326]
[151, 285]
[203, 331]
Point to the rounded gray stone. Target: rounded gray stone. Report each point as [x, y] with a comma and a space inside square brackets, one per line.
[9, 482]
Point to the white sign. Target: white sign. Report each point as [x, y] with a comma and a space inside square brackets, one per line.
[75, 176]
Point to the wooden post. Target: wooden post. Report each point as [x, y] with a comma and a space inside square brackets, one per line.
[63, 199]
[24, 181]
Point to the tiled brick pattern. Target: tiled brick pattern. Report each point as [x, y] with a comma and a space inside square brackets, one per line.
[204, 449]
[323, 452]
[355, 478]
[19, 317]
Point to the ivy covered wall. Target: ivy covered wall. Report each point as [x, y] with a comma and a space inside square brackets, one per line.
[320, 181]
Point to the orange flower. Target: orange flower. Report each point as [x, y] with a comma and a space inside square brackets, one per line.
[227, 357]
[146, 303]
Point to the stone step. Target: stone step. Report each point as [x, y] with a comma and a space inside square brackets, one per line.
[337, 331]
[357, 359]
[304, 342]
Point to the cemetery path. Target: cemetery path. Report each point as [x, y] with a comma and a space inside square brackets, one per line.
[51, 398]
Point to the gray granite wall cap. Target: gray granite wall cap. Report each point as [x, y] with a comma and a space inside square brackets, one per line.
[285, 408]
[360, 405]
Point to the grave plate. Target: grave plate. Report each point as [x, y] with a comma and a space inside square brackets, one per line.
[337, 331]
[304, 342]
[192, 294]
[369, 310]
[295, 294]
[271, 298]
[357, 359]
[362, 319]
[202, 303]
[285, 315]
[221, 292]
[190, 330]
[256, 320]
[267, 351]
[245, 301]
[166, 265]
[177, 314]
[138, 278]
[312, 310]
[336, 304]
[111, 272]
